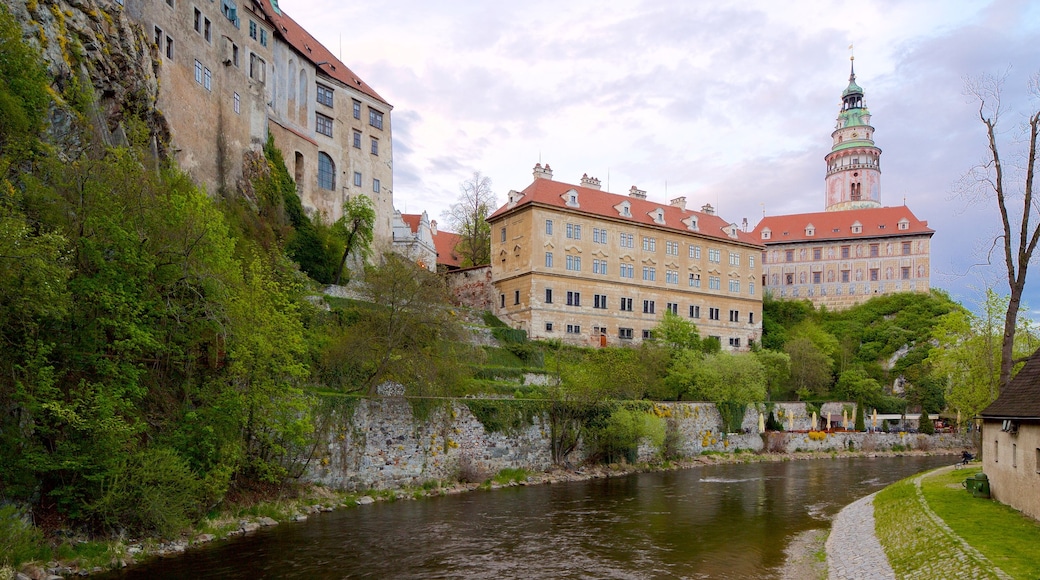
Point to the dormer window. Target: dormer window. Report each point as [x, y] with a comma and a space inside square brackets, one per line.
[767, 233]
[904, 224]
[624, 209]
[810, 230]
[571, 198]
[657, 215]
[691, 223]
[857, 228]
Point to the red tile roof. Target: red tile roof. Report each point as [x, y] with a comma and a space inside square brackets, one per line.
[876, 222]
[413, 220]
[445, 243]
[547, 192]
[309, 47]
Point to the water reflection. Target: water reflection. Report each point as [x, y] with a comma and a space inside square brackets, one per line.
[726, 521]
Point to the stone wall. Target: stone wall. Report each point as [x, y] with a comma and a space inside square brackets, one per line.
[472, 287]
[379, 443]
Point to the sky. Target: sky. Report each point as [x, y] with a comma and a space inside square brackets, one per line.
[727, 103]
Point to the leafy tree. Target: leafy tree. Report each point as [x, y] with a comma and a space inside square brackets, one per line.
[355, 229]
[810, 367]
[1021, 232]
[677, 333]
[722, 376]
[777, 367]
[24, 97]
[925, 425]
[468, 217]
[860, 423]
[856, 385]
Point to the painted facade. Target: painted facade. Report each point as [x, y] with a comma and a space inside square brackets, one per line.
[231, 71]
[596, 268]
[413, 238]
[856, 249]
[1011, 441]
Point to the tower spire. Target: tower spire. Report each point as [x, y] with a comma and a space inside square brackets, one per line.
[853, 165]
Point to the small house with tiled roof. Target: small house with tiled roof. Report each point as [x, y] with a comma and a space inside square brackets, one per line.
[590, 267]
[1011, 441]
[857, 248]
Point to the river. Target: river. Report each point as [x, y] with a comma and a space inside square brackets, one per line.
[721, 521]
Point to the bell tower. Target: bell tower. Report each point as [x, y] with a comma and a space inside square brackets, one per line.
[854, 163]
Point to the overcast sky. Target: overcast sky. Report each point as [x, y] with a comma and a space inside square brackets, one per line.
[728, 103]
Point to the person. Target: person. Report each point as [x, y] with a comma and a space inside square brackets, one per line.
[966, 457]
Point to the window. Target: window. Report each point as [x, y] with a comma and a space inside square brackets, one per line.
[169, 50]
[751, 288]
[548, 295]
[671, 248]
[751, 317]
[873, 274]
[789, 255]
[875, 250]
[817, 253]
[626, 334]
[323, 124]
[257, 68]
[715, 255]
[695, 280]
[207, 79]
[229, 9]
[672, 307]
[671, 277]
[548, 227]
[574, 231]
[626, 305]
[574, 263]
[627, 240]
[375, 146]
[905, 273]
[198, 72]
[906, 248]
[649, 274]
[695, 311]
[734, 259]
[695, 252]
[599, 267]
[627, 271]
[734, 316]
[326, 172]
[845, 275]
[548, 260]
[713, 313]
[751, 261]
[816, 277]
[996, 451]
[324, 95]
[734, 342]
[649, 244]
[198, 22]
[375, 118]
[845, 252]
[648, 335]
[516, 297]
[357, 139]
[357, 179]
[207, 31]
[263, 38]
[1014, 455]
[548, 327]
[234, 54]
[375, 186]
[502, 300]
[648, 307]
[599, 301]
[158, 38]
[502, 234]
[357, 109]
[599, 236]
[238, 103]
[714, 283]
[573, 329]
[573, 298]
[734, 285]
[252, 28]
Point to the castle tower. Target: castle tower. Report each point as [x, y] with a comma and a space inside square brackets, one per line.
[853, 165]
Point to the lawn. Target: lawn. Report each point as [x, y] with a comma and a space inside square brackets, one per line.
[1005, 536]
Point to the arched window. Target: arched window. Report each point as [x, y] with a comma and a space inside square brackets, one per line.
[326, 172]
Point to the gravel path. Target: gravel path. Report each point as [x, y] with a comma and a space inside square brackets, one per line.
[853, 550]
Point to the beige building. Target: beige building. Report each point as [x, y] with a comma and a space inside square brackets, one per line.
[856, 249]
[232, 70]
[1011, 441]
[590, 267]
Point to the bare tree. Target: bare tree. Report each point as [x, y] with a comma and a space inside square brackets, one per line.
[1021, 228]
[468, 218]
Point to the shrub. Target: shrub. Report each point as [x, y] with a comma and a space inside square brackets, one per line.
[671, 447]
[776, 442]
[925, 424]
[509, 475]
[471, 471]
[618, 439]
[20, 541]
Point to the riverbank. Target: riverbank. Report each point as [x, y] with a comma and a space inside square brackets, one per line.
[310, 501]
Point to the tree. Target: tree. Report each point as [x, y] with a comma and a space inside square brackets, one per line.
[810, 367]
[677, 333]
[468, 217]
[355, 230]
[1020, 234]
[735, 378]
[777, 366]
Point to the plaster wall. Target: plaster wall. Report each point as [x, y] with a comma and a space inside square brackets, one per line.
[1012, 463]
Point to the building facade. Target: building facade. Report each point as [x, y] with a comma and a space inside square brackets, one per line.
[596, 268]
[413, 238]
[231, 71]
[856, 249]
[1011, 441]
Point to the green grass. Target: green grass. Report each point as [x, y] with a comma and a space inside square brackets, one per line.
[509, 475]
[1005, 536]
[905, 532]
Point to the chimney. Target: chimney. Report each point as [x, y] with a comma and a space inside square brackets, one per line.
[706, 208]
[679, 202]
[636, 192]
[433, 227]
[590, 182]
[542, 172]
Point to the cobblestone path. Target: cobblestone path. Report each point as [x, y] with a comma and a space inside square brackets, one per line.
[853, 551]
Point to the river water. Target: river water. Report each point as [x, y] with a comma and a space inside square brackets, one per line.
[722, 521]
